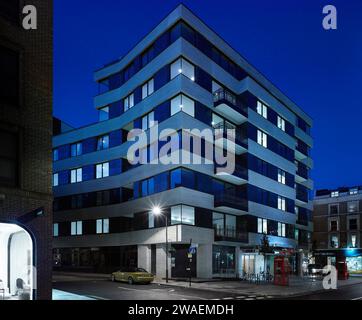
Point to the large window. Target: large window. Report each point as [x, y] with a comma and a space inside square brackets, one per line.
[334, 241]
[102, 226]
[281, 203]
[76, 228]
[281, 176]
[281, 229]
[184, 104]
[55, 230]
[262, 139]
[333, 209]
[262, 109]
[8, 158]
[353, 224]
[281, 123]
[128, 102]
[183, 214]
[9, 76]
[102, 170]
[352, 206]
[148, 88]
[76, 149]
[223, 259]
[262, 225]
[148, 121]
[55, 179]
[76, 175]
[103, 142]
[182, 66]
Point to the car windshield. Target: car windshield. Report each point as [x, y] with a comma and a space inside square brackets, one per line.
[133, 270]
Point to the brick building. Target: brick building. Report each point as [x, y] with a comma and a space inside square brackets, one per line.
[25, 153]
[337, 227]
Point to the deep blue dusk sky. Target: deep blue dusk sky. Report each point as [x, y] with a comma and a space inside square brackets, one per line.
[319, 70]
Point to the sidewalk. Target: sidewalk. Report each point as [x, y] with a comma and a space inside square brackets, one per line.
[297, 286]
[62, 295]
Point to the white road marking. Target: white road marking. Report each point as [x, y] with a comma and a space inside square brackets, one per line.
[228, 298]
[359, 298]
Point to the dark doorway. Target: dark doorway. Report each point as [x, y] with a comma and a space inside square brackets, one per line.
[153, 258]
[182, 262]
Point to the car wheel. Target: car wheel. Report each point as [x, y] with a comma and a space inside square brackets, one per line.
[113, 278]
[130, 280]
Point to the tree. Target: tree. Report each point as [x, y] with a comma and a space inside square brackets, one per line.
[265, 248]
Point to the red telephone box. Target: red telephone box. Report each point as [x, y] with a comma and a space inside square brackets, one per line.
[342, 270]
[281, 271]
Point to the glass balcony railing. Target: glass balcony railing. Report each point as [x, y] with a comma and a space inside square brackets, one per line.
[230, 199]
[230, 233]
[239, 171]
[224, 96]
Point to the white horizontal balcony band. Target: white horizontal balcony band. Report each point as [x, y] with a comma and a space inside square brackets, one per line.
[164, 25]
[300, 134]
[176, 234]
[271, 129]
[271, 185]
[262, 211]
[166, 57]
[271, 157]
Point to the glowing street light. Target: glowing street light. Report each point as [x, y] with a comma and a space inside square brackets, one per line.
[156, 211]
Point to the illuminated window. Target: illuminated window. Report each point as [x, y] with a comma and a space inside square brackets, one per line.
[76, 228]
[281, 229]
[103, 143]
[55, 229]
[102, 226]
[262, 225]
[184, 104]
[148, 121]
[334, 194]
[353, 191]
[102, 170]
[353, 241]
[55, 179]
[281, 203]
[182, 66]
[281, 123]
[334, 241]
[76, 175]
[183, 214]
[147, 88]
[128, 102]
[281, 176]
[262, 109]
[262, 139]
[352, 206]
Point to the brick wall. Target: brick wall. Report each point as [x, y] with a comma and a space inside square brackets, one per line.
[32, 119]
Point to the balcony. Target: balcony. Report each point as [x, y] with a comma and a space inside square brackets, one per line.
[302, 173]
[230, 233]
[301, 150]
[230, 200]
[238, 177]
[224, 133]
[227, 104]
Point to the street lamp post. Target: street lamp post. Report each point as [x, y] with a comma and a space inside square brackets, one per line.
[157, 211]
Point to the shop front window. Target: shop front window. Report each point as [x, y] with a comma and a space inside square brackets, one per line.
[223, 260]
[16, 267]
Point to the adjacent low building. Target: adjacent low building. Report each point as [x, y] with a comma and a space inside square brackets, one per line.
[182, 75]
[337, 227]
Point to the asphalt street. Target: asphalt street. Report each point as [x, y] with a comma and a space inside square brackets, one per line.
[107, 290]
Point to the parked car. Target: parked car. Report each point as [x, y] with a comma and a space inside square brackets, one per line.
[132, 275]
[316, 269]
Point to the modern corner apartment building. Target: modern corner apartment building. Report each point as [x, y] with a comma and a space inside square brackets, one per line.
[183, 75]
[337, 227]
